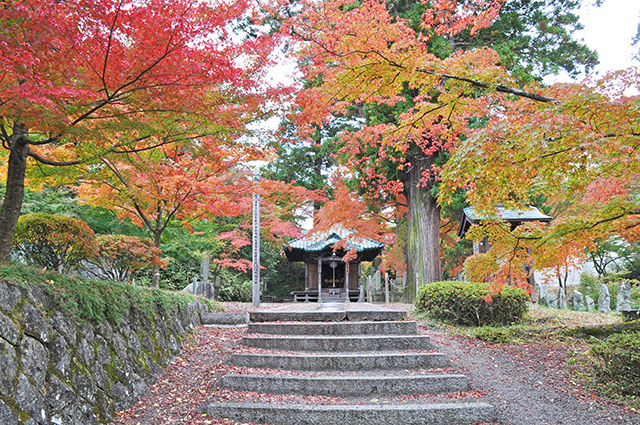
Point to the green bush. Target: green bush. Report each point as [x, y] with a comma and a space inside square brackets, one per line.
[464, 303]
[616, 364]
[89, 300]
[236, 290]
[54, 242]
[493, 335]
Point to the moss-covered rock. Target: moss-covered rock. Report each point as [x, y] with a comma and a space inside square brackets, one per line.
[72, 351]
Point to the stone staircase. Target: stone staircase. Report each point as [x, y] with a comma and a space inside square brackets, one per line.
[370, 366]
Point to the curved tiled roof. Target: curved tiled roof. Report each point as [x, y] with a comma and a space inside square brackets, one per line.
[295, 250]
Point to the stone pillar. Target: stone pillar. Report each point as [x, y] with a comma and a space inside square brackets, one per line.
[624, 297]
[319, 280]
[578, 301]
[589, 303]
[604, 299]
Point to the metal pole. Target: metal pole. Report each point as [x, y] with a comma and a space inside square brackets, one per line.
[256, 240]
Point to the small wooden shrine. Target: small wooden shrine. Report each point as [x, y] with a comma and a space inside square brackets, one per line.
[514, 217]
[327, 276]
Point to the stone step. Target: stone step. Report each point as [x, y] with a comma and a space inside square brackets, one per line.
[227, 319]
[335, 328]
[329, 315]
[339, 343]
[342, 361]
[343, 386]
[315, 414]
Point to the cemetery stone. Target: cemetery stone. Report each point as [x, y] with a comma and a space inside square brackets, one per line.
[589, 303]
[578, 301]
[604, 299]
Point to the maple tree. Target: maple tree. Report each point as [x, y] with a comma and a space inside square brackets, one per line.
[421, 100]
[120, 256]
[578, 151]
[88, 80]
[173, 186]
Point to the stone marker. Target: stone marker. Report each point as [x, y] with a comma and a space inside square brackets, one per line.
[552, 300]
[578, 301]
[543, 295]
[562, 299]
[604, 299]
[590, 304]
[536, 292]
[624, 296]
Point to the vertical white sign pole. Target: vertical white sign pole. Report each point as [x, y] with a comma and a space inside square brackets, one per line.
[256, 239]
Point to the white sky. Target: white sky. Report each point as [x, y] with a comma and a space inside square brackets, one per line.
[608, 29]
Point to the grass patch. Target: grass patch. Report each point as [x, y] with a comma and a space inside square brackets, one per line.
[538, 324]
[89, 300]
[603, 351]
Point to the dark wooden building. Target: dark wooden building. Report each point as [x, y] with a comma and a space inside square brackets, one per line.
[327, 276]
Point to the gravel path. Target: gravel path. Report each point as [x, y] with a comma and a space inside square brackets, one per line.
[528, 383]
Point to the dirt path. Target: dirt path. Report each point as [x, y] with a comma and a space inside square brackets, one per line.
[529, 383]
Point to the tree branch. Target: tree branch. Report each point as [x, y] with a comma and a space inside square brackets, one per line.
[53, 163]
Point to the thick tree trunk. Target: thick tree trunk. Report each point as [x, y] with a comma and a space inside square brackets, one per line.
[10, 212]
[422, 249]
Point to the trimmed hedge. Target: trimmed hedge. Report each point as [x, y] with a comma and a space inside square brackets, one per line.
[616, 364]
[464, 303]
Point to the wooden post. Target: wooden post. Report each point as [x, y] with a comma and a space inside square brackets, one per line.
[346, 279]
[320, 279]
[360, 287]
[256, 241]
[306, 276]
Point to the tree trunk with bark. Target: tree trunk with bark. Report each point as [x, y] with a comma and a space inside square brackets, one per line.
[157, 233]
[422, 249]
[14, 195]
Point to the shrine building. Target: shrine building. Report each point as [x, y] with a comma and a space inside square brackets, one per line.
[327, 277]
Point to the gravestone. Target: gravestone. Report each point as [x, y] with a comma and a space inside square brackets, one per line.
[217, 283]
[624, 296]
[604, 299]
[552, 300]
[543, 295]
[536, 292]
[578, 301]
[590, 304]
[562, 299]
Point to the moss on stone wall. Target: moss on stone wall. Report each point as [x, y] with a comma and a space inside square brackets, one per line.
[75, 350]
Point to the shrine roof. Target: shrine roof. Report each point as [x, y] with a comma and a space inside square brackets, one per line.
[514, 216]
[297, 249]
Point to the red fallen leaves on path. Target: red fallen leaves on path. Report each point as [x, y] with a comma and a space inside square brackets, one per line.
[190, 383]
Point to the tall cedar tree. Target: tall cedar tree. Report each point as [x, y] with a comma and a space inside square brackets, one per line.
[423, 92]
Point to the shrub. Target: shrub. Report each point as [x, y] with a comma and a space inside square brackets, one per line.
[236, 290]
[120, 256]
[464, 303]
[54, 242]
[493, 335]
[616, 363]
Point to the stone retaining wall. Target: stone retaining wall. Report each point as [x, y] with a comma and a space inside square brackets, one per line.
[54, 371]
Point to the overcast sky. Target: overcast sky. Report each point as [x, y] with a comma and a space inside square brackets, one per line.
[609, 30]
